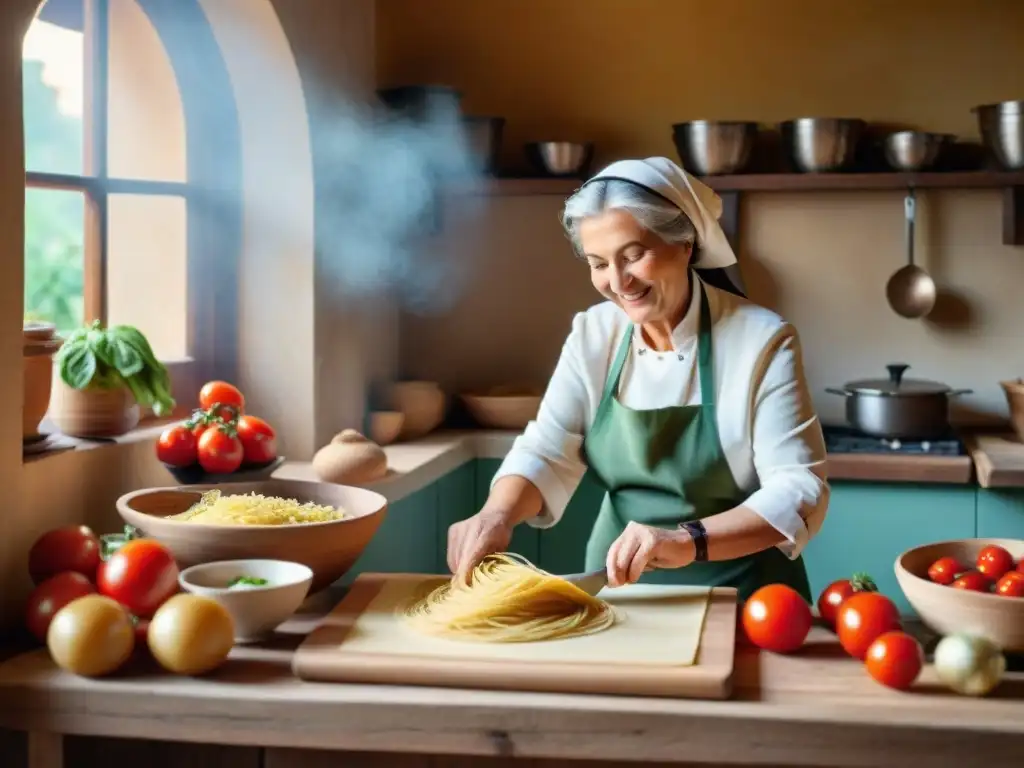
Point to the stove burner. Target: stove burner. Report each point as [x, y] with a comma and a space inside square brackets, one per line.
[840, 439]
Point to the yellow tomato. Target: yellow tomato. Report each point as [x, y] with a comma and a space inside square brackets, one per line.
[191, 635]
[91, 636]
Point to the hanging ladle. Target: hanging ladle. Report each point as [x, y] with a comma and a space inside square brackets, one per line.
[911, 291]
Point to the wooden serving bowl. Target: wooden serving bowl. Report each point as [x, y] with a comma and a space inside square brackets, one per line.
[502, 411]
[948, 610]
[329, 549]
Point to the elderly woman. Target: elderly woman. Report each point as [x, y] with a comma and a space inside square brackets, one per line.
[685, 402]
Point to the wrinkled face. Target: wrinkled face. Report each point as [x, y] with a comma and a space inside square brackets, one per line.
[635, 268]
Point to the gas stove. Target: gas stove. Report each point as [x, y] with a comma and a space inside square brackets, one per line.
[842, 439]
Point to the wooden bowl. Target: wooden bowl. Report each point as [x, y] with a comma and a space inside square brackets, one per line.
[502, 411]
[422, 402]
[948, 610]
[329, 549]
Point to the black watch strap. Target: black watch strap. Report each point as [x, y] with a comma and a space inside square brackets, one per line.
[699, 535]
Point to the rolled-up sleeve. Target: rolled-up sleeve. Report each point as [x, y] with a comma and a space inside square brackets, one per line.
[548, 453]
[788, 446]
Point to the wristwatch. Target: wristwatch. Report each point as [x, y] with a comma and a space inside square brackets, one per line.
[699, 535]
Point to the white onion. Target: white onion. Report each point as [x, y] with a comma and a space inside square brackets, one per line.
[969, 665]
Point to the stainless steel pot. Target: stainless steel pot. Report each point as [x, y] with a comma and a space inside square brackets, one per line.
[1002, 132]
[897, 407]
[821, 144]
[713, 147]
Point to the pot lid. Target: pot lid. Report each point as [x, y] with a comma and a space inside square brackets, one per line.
[897, 385]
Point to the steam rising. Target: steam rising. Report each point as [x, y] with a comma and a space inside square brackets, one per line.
[381, 184]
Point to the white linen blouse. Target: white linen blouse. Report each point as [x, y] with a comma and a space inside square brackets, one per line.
[770, 433]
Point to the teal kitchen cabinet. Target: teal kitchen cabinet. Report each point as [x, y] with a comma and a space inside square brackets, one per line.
[563, 546]
[525, 539]
[406, 541]
[1001, 513]
[456, 500]
[870, 524]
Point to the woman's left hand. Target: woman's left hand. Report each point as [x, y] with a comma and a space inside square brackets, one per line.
[642, 548]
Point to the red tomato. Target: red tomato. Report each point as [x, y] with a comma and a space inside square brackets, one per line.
[74, 548]
[972, 581]
[141, 575]
[862, 618]
[993, 562]
[52, 595]
[1020, 566]
[225, 398]
[177, 446]
[835, 593]
[259, 441]
[895, 659]
[945, 570]
[220, 451]
[1011, 584]
[776, 618]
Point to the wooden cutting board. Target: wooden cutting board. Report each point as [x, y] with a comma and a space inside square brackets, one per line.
[646, 654]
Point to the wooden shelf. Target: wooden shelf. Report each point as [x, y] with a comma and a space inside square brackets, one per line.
[834, 182]
[731, 187]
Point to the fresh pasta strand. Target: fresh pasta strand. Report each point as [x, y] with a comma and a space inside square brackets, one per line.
[509, 600]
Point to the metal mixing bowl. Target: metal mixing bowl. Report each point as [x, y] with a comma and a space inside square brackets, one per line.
[711, 147]
[820, 144]
[560, 158]
[1002, 132]
[915, 150]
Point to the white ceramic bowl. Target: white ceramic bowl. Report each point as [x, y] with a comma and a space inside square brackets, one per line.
[256, 610]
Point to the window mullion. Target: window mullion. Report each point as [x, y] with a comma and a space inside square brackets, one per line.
[97, 57]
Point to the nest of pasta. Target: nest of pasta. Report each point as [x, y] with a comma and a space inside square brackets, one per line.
[507, 599]
[215, 508]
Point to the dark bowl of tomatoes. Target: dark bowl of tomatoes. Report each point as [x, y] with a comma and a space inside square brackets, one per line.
[973, 586]
[194, 474]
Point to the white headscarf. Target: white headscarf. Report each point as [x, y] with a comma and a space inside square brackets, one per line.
[699, 202]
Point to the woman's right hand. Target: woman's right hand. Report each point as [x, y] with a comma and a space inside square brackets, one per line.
[472, 539]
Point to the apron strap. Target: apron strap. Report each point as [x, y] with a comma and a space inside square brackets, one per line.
[615, 373]
[705, 354]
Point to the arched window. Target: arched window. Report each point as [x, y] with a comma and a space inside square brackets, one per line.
[132, 177]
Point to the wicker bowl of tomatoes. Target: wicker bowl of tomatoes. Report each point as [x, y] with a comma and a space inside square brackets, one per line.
[221, 443]
[972, 586]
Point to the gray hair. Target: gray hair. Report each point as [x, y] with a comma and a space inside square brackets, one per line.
[651, 211]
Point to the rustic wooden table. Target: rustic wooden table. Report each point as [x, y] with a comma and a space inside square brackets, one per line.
[816, 708]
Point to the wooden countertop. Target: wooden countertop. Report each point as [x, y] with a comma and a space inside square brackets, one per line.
[416, 464]
[998, 457]
[815, 708]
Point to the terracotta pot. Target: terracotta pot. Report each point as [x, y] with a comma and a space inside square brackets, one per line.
[38, 348]
[92, 412]
[422, 402]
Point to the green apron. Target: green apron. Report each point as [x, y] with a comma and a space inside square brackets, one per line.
[666, 466]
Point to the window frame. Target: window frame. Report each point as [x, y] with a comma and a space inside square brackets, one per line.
[212, 190]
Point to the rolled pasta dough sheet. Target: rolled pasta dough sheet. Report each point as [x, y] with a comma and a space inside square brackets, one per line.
[659, 626]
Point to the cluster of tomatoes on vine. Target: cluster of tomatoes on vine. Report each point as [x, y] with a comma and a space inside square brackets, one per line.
[220, 436]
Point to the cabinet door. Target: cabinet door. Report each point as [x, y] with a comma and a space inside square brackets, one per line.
[870, 524]
[456, 500]
[1001, 514]
[525, 538]
[406, 541]
[563, 546]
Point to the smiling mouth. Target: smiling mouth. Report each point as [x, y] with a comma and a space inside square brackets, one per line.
[632, 298]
